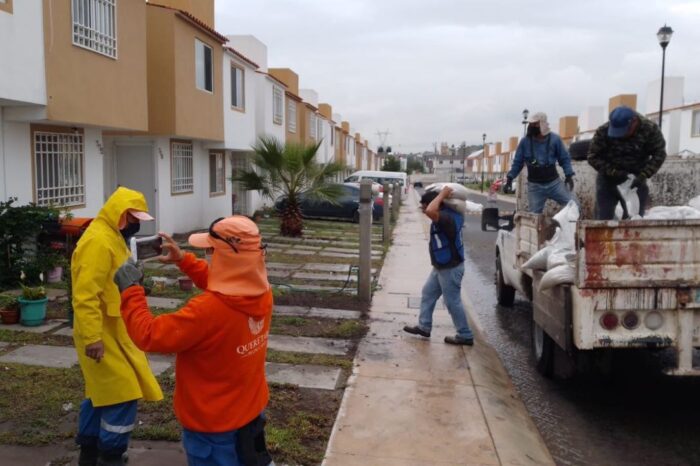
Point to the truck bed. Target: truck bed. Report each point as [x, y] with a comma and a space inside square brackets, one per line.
[638, 254]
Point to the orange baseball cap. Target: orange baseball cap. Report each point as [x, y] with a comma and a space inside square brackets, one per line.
[238, 264]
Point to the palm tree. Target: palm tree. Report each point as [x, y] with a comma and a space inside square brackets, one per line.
[290, 170]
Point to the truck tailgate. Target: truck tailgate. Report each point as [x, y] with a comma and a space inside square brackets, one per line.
[638, 254]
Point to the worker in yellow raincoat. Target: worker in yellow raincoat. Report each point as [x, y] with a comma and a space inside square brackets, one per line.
[116, 372]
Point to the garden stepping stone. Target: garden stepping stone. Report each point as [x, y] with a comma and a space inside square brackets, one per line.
[41, 355]
[164, 303]
[283, 266]
[337, 277]
[327, 267]
[301, 311]
[152, 265]
[298, 252]
[308, 345]
[278, 273]
[65, 331]
[303, 375]
[44, 328]
[65, 357]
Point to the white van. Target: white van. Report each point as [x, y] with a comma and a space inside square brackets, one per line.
[379, 177]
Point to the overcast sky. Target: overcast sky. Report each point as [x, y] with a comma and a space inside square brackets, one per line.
[450, 70]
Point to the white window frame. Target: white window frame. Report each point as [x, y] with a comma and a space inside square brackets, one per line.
[695, 124]
[59, 177]
[181, 167]
[291, 116]
[200, 74]
[312, 125]
[277, 105]
[237, 87]
[217, 174]
[95, 26]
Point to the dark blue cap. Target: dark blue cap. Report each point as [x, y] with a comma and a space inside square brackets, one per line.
[620, 121]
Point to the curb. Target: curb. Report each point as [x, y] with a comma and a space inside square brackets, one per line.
[514, 434]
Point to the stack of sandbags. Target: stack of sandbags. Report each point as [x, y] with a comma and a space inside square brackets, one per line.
[558, 256]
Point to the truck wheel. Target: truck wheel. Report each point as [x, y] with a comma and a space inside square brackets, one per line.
[543, 350]
[505, 293]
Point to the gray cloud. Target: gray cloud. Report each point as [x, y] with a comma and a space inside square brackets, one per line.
[451, 70]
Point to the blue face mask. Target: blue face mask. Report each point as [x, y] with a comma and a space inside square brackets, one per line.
[130, 230]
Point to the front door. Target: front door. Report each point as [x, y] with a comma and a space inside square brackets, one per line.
[135, 168]
[239, 162]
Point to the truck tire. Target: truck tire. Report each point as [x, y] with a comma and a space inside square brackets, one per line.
[579, 150]
[543, 350]
[505, 294]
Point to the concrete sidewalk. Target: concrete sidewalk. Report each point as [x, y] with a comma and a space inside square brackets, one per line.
[412, 401]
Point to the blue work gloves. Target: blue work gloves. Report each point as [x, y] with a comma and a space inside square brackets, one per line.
[128, 275]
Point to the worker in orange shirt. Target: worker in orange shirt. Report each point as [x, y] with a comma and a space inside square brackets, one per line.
[220, 339]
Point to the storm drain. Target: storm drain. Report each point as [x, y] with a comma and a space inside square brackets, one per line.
[414, 303]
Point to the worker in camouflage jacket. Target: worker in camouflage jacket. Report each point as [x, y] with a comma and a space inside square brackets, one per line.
[628, 144]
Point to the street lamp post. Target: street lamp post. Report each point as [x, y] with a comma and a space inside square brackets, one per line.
[664, 36]
[526, 112]
[483, 159]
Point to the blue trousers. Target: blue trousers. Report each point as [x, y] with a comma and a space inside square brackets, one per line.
[212, 449]
[448, 283]
[538, 193]
[108, 427]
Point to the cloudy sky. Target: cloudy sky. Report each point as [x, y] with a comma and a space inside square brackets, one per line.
[450, 70]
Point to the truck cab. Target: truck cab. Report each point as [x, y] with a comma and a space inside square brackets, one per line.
[637, 282]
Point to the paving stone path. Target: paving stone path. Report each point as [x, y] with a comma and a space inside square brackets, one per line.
[300, 311]
[308, 345]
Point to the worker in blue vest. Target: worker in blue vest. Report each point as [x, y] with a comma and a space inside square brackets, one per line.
[445, 279]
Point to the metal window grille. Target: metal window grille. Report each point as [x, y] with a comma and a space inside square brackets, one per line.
[181, 178]
[291, 116]
[216, 173]
[312, 126]
[95, 26]
[58, 169]
[277, 105]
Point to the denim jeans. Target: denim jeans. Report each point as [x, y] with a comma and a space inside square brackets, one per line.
[607, 196]
[448, 283]
[538, 193]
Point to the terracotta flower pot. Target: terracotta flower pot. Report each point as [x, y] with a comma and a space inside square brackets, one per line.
[186, 284]
[9, 316]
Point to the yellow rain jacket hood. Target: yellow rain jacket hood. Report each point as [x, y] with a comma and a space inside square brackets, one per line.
[123, 374]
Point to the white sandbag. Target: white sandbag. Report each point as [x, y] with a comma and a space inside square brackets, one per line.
[474, 206]
[631, 198]
[538, 261]
[566, 218]
[559, 257]
[672, 213]
[457, 205]
[558, 275]
[458, 191]
[695, 203]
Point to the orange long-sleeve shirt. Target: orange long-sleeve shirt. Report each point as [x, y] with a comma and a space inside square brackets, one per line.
[220, 342]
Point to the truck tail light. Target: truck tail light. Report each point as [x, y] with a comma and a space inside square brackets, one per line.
[609, 321]
[630, 320]
[654, 320]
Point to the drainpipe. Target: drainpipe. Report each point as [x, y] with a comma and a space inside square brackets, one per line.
[2, 154]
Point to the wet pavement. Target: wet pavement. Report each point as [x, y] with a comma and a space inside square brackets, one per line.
[635, 416]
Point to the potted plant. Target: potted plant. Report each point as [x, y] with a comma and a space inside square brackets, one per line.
[9, 310]
[185, 283]
[32, 305]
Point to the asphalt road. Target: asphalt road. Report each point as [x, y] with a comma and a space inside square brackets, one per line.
[636, 416]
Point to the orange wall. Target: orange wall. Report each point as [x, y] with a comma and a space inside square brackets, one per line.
[629, 100]
[199, 114]
[202, 9]
[288, 77]
[161, 72]
[85, 87]
[326, 110]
